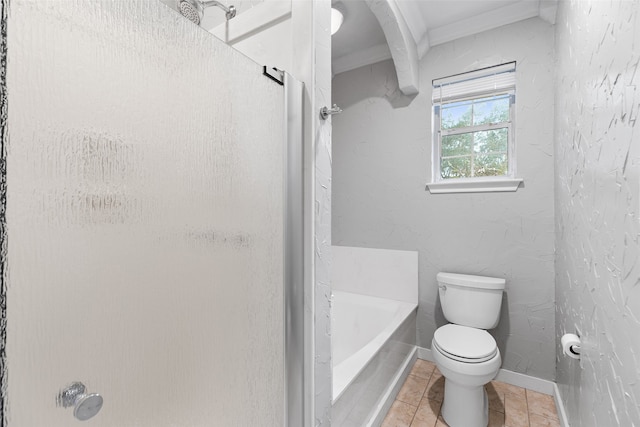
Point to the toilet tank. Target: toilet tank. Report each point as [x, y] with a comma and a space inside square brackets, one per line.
[472, 301]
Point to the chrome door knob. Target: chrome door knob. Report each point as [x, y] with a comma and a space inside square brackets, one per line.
[84, 405]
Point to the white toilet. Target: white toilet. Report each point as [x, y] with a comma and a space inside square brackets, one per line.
[465, 353]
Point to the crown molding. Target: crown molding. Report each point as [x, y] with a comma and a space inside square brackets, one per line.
[515, 12]
[547, 10]
[361, 58]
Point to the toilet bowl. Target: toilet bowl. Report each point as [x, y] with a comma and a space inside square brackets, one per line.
[466, 368]
[464, 352]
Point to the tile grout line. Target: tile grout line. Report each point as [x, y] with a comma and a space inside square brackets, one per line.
[544, 416]
[526, 400]
[421, 397]
[423, 394]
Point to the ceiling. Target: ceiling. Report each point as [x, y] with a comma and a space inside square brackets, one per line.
[362, 40]
[377, 30]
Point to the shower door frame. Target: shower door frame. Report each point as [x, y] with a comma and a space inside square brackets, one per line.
[294, 239]
[4, 6]
[294, 256]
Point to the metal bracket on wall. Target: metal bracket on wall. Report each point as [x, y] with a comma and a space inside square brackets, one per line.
[274, 74]
[325, 112]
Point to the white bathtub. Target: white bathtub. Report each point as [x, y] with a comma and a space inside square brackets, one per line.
[361, 325]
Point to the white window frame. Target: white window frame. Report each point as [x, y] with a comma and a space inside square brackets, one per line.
[487, 82]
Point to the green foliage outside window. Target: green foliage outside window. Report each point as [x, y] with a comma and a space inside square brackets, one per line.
[466, 151]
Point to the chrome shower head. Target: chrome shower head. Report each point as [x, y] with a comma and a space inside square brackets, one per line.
[193, 10]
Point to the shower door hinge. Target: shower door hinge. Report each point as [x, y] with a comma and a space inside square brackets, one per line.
[274, 74]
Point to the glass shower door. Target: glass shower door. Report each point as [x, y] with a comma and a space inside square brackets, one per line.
[145, 204]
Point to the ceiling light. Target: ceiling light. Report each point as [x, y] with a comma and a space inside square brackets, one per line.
[336, 20]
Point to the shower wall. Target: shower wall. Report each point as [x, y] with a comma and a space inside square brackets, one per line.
[598, 209]
[263, 31]
[381, 163]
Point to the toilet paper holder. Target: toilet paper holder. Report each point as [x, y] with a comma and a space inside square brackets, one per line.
[571, 345]
[575, 349]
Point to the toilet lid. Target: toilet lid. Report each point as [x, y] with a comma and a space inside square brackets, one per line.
[465, 344]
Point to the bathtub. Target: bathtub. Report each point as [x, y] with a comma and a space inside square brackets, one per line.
[371, 337]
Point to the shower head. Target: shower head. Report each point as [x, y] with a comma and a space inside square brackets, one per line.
[193, 10]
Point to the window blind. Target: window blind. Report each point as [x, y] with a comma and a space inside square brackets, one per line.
[487, 80]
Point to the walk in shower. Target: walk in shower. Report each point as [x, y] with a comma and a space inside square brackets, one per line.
[153, 222]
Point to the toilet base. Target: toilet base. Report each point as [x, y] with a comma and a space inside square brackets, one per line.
[465, 406]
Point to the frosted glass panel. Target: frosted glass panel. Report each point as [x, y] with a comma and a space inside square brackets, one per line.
[145, 212]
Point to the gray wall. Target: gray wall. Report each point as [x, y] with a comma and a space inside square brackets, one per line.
[597, 203]
[381, 162]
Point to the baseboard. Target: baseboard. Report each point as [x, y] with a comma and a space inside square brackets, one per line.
[509, 377]
[562, 413]
[521, 380]
[525, 381]
[425, 354]
[380, 412]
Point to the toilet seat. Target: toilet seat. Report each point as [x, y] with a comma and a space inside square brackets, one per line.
[465, 344]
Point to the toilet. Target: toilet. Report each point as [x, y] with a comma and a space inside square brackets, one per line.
[465, 353]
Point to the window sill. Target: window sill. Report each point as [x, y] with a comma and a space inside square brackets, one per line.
[474, 186]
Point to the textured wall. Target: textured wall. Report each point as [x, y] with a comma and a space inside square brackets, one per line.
[598, 168]
[313, 64]
[381, 162]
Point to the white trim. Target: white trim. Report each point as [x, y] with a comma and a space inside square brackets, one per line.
[413, 16]
[497, 71]
[361, 58]
[509, 377]
[253, 21]
[425, 354]
[547, 10]
[474, 186]
[294, 357]
[515, 12]
[402, 45]
[520, 380]
[424, 45]
[525, 381]
[562, 412]
[384, 404]
[467, 87]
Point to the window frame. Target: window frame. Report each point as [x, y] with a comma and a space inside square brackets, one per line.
[507, 182]
[438, 133]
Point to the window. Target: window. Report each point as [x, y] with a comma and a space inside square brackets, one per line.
[473, 138]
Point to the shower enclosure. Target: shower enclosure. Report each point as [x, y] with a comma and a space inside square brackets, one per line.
[153, 223]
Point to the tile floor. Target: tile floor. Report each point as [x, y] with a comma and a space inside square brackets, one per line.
[419, 400]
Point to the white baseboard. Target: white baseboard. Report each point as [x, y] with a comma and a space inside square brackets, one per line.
[380, 412]
[509, 377]
[562, 413]
[525, 381]
[425, 354]
[521, 380]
